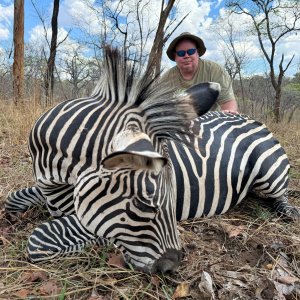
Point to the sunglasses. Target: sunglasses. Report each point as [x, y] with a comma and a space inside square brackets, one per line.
[181, 53]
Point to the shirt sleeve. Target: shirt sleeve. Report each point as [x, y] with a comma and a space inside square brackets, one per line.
[221, 76]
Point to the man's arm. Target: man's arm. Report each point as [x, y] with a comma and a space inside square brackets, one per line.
[229, 107]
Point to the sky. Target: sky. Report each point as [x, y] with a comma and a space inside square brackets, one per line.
[76, 14]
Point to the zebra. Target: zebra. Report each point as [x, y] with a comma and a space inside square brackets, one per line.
[232, 156]
[125, 164]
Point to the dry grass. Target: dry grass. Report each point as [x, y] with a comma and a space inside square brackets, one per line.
[249, 253]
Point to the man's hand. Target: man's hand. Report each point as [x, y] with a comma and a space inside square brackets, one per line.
[229, 107]
[228, 111]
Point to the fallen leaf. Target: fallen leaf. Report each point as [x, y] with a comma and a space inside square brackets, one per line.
[23, 294]
[116, 261]
[4, 234]
[96, 296]
[287, 279]
[283, 289]
[155, 281]
[269, 266]
[236, 275]
[233, 274]
[229, 291]
[5, 160]
[265, 289]
[232, 230]
[5, 231]
[34, 276]
[50, 288]
[182, 290]
[239, 283]
[206, 286]
[271, 289]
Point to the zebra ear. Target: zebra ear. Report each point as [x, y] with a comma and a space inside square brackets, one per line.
[134, 150]
[203, 95]
[135, 161]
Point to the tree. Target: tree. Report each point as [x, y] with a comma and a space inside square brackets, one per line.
[18, 65]
[77, 69]
[49, 81]
[235, 50]
[154, 61]
[272, 20]
[127, 24]
[296, 78]
[50, 48]
[6, 84]
[130, 26]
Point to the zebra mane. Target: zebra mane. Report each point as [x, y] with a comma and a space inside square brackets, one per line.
[123, 82]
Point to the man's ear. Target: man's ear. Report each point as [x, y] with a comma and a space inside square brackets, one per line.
[204, 96]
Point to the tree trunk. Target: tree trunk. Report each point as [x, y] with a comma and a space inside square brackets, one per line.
[271, 27]
[242, 89]
[154, 62]
[49, 81]
[277, 104]
[18, 65]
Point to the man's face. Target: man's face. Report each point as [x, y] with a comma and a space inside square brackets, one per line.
[187, 63]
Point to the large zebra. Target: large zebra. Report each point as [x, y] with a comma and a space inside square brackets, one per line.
[125, 164]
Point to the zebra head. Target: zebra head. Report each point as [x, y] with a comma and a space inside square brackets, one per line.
[135, 203]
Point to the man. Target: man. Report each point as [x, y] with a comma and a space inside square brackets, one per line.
[186, 50]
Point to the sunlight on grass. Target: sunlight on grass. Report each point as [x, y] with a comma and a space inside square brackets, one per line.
[16, 121]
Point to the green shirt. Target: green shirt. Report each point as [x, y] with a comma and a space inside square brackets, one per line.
[208, 71]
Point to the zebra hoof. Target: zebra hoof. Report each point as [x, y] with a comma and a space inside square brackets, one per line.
[294, 214]
[169, 262]
[285, 210]
[290, 214]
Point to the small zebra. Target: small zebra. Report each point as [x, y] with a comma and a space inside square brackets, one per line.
[124, 165]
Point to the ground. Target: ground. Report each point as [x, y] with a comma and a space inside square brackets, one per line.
[248, 253]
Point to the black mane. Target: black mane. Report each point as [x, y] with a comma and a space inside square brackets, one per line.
[122, 81]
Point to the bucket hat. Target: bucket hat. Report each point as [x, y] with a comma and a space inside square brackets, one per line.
[186, 35]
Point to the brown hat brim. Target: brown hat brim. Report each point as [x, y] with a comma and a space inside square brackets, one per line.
[186, 35]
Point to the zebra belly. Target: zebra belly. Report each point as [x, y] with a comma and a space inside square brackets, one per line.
[222, 163]
[201, 191]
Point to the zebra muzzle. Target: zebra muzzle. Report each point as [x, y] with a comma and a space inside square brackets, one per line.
[169, 262]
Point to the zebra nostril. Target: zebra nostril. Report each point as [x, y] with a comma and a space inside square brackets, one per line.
[169, 262]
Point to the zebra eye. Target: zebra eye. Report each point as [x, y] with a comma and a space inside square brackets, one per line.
[144, 207]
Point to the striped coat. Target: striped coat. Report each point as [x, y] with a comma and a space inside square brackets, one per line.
[123, 165]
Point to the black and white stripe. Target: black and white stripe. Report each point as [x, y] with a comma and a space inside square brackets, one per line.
[60, 237]
[126, 163]
[229, 156]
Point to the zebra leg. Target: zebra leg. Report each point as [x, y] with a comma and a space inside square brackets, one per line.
[282, 207]
[59, 197]
[22, 200]
[60, 237]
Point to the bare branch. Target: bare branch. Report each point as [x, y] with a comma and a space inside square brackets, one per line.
[273, 26]
[180, 22]
[42, 21]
